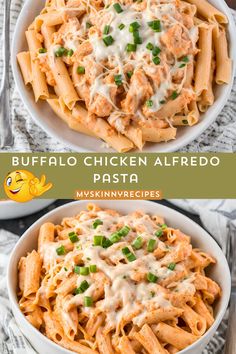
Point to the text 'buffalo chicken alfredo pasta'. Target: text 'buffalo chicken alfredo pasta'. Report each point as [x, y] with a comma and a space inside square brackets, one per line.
[127, 72]
[107, 283]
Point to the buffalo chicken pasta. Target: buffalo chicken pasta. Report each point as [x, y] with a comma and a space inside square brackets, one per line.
[107, 283]
[128, 72]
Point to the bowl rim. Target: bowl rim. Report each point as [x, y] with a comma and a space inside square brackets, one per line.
[172, 146]
[165, 210]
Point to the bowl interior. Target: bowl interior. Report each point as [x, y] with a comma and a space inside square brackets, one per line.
[54, 126]
[200, 238]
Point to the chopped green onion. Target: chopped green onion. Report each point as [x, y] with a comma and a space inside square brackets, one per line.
[137, 38]
[61, 250]
[155, 51]
[159, 233]
[125, 251]
[149, 103]
[152, 278]
[131, 47]
[106, 29]
[151, 245]
[88, 301]
[98, 240]
[60, 52]
[124, 231]
[118, 8]
[73, 237]
[182, 65]
[137, 244]
[108, 40]
[106, 243]
[82, 288]
[131, 257]
[149, 46]
[118, 80]
[96, 223]
[162, 102]
[156, 60]
[185, 59]
[88, 25]
[116, 236]
[42, 50]
[164, 226]
[77, 269]
[184, 121]
[174, 95]
[93, 268]
[155, 25]
[171, 266]
[84, 271]
[70, 53]
[121, 26]
[129, 74]
[134, 26]
[80, 70]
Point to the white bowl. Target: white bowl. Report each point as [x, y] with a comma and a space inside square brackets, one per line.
[200, 238]
[13, 210]
[54, 126]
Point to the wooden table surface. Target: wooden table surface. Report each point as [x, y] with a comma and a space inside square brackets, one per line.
[231, 3]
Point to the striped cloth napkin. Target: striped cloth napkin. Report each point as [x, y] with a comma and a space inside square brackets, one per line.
[217, 216]
[219, 137]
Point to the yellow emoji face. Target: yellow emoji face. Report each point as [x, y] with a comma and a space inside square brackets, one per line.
[22, 186]
[17, 186]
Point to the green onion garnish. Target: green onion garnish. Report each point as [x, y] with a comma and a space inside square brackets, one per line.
[137, 244]
[88, 25]
[152, 278]
[156, 51]
[82, 288]
[121, 26]
[70, 53]
[93, 268]
[42, 50]
[162, 102]
[116, 236]
[137, 38]
[155, 25]
[185, 59]
[118, 80]
[96, 223]
[125, 251]
[73, 237]
[134, 26]
[60, 52]
[108, 40]
[159, 233]
[149, 103]
[182, 65]
[106, 29]
[61, 250]
[149, 46]
[106, 243]
[129, 74]
[84, 271]
[118, 8]
[80, 70]
[184, 121]
[174, 95]
[171, 266]
[98, 240]
[124, 231]
[164, 226]
[131, 47]
[156, 60]
[77, 269]
[88, 301]
[131, 257]
[151, 245]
